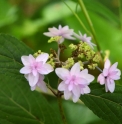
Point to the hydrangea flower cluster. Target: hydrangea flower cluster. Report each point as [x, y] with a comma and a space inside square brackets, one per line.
[64, 32]
[108, 75]
[73, 72]
[74, 82]
[35, 69]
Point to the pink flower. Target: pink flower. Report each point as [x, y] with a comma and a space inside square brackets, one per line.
[75, 82]
[41, 84]
[65, 32]
[109, 74]
[33, 67]
[84, 38]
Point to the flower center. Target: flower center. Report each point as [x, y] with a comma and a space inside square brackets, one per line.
[35, 66]
[73, 78]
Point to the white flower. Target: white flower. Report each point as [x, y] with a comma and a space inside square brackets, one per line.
[75, 82]
[35, 68]
[41, 84]
[109, 74]
[64, 32]
[84, 38]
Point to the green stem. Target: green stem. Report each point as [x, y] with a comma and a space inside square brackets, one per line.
[79, 20]
[89, 22]
[120, 14]
[61, 109]
[58, 52]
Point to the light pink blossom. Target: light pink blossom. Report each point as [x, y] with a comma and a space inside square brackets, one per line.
[109, 74]
[84, 38]
[34, 68]
[40, 83]
[74, 82]
[64, 32]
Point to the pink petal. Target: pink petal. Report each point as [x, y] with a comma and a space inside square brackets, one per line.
[33, 79]
[62, 86]
[25, 60]
[86, 90]
[85, 71]
[42, 57]
[67, 36]
[67, 94]
[105, 72]
[111, 85]
[113, 67]
[41, 77]
[101, 79]
[76, 35]
[81, 81]
[84, 74]
[75, 98]
[119, 72]
[42, 85]
[107, 64]
[45, 69]
[34, 72]
[25, 70]
[31, 59]
[67, 81]
[75, 70]
[76, 91]
[59, 27]
[33, 88]
[49, 34]
[62, 73]
[114, 76]
[82, 92]
[54, 31]
[70, 87]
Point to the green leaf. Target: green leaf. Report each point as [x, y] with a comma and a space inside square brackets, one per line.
[107, 106]
[76, 113]
[18, 104]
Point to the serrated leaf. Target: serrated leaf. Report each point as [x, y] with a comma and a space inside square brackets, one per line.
[18, 104]
[107, 106]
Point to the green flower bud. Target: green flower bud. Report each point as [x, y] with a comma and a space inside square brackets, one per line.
[69, 63]
[56, 38]
[73, 47]
[81, 65]
[92, 66]
[81, 55]
[96, 58]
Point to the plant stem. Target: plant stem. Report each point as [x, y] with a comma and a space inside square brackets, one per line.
[58, 52]
[52, 90]
[61, 109]
[89, 22]
[99, 69]
[120, 14]
[79, 20]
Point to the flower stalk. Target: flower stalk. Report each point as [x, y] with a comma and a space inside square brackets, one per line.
[61, 108]
[89, 22]
[120, 14]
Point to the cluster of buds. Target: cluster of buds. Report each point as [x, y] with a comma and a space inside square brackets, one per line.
[83, 52]
[73, 72]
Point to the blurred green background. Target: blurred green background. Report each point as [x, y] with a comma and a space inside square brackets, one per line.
[27, 20]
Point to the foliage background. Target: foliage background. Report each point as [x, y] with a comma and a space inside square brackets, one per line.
[27, 20]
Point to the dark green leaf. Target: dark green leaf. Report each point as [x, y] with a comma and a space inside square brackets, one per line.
[18, 104]
[107, 106]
